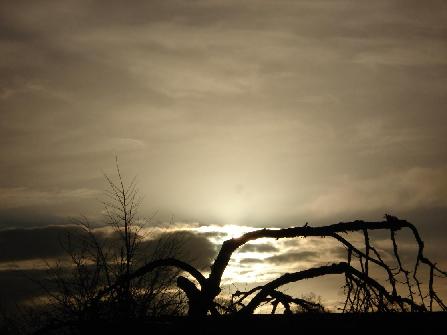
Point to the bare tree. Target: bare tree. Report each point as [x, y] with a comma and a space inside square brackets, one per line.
[99, 259]
[363, 292]
[110, 280]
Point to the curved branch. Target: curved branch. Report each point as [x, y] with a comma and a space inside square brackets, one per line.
[196, 274]
[151, 266]
[202, 300]
[191, 292]
[337, 268]
[229, 246]
[212, 288]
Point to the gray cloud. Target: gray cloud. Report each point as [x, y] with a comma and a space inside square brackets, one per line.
[265, 247]
[52, 242]
[184, 245]
[293, 257]
[339, 253]
[39, 243]
[250, 261]
[18, 285]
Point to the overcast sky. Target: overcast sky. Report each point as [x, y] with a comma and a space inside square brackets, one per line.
[255, 113]
[245, 112]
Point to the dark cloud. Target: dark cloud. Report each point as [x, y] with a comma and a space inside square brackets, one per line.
[30, 217]
[293, 257]
[20, 285]
[184, 245]
[37, 243]
[52, 242]
[264, 247]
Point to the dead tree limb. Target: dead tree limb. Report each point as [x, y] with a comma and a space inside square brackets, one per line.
[149, 267]
[363, 293]
[338, 268]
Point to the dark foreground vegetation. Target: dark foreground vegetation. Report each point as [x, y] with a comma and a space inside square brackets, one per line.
[118, 289]
[267, 324]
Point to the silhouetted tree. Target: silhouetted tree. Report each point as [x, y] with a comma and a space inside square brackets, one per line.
[99, 260]
[109, 282]
[363, 292]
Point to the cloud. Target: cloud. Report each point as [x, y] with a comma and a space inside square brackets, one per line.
[249, 261]
[213, 234]
[51, 242]
[34, 243]
[23, 250]
[345, 99]
[184, 245]
[262, 248]
[338, 95]
[294, 257]
[13, 197]
[396, 191]
[404, 56]
[339, 252]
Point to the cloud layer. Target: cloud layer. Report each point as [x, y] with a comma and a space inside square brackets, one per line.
[337, 95]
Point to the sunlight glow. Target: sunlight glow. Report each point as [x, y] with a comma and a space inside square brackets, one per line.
[231, 231]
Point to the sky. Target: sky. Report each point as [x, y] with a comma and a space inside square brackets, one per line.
[246, 113]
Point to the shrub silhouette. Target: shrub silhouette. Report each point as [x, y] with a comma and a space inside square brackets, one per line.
[100, 260]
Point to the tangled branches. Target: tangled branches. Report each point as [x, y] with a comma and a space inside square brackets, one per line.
[363, 292]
